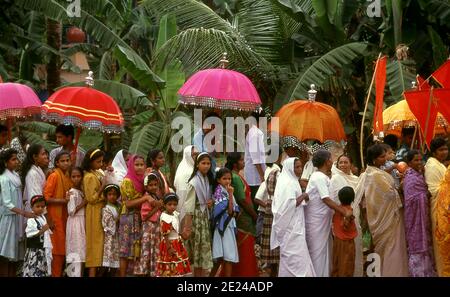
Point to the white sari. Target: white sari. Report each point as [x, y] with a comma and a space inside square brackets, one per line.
[288, 227]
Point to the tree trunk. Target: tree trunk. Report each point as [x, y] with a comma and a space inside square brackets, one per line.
[54, 65]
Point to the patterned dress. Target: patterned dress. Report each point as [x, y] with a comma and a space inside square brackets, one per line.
[37, 259]
[76, 228]
[130, 223]
[151, 237]
[110, 217]
[168, 264]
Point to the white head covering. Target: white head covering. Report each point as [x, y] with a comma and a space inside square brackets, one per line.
[182, 175]
[287, 190]
[184, 169]
[120, 167]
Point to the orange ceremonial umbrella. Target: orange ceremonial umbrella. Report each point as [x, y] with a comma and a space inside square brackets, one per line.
[309, 120]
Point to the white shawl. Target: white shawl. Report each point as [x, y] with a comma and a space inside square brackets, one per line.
[120, 167]
[182, 175]
[34, 185]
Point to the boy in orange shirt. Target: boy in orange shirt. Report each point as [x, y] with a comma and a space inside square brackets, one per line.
[344, 231]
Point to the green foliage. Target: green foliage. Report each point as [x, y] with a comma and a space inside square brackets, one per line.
[137, 67]
[126, 96]
[326, 66]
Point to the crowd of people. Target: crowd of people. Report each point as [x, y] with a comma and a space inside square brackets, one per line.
[75, 213]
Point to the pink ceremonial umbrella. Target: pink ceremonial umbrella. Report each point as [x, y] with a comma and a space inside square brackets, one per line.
[17, 101]
[220, 88]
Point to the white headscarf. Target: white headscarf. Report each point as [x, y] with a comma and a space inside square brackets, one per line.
[287, 189]
[120, 167]
[182, 175]
[184, 170]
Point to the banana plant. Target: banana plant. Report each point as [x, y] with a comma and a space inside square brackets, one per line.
[152, 127]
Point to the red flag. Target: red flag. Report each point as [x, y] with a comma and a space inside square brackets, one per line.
[442, 75]
[425, 109]
[442, 97]
[380, 83]
[421, 83]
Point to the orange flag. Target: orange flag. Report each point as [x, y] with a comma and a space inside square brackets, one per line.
[442, 75]
[380, 83]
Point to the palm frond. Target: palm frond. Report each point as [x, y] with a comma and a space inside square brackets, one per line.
[189, 14]
[89, 23]
[263, 29]
[202, 48]
[126, 96]
[440, 9]
[296, 6]
[111, 14]
[326, 66]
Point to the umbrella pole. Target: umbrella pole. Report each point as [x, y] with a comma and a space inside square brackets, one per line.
[75, 148]
[414, 137]
[361, 136]
[428, 116]
[9, 126]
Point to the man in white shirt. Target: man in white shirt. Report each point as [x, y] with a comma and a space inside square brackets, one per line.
[255, 156]
[199, 141]
[64, 137]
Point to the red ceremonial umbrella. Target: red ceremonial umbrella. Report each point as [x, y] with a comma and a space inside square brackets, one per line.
[84, 107]
[220, 88]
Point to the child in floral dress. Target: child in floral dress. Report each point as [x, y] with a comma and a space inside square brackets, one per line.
[110, 219]
[150, 213]
[173, 259]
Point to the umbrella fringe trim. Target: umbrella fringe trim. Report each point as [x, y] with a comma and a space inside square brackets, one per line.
[91, 124]
[219, 103]
[19, 112]
[292, 141]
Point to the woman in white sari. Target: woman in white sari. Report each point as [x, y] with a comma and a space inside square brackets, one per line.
[288, 228]
[343, 177]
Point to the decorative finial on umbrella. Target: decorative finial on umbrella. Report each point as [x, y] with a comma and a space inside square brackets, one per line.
[312, 93]
[414, 85]
[223, 63]
[90, 79]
